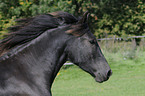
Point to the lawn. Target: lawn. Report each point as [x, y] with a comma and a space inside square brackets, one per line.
[128, 79]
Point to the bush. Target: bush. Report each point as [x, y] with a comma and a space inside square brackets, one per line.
[108, 17]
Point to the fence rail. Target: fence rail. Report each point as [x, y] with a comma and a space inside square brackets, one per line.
[67, 63]
[121, 38]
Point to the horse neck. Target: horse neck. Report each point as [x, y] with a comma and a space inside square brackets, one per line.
[48, 54]
[43, 57]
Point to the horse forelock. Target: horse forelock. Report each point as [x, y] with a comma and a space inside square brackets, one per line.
[78, 29]
[28, 29]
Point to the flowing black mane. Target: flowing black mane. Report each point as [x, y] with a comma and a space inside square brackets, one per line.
[29, 28]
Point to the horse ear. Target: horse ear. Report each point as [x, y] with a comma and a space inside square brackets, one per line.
[84, 19]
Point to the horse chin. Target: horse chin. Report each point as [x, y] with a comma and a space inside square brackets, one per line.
[100, 80]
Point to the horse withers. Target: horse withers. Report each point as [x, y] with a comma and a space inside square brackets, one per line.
[37, 47]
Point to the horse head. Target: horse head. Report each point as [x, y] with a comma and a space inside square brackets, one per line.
[84, 51]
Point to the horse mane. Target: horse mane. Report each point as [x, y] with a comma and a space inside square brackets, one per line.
[28, 29]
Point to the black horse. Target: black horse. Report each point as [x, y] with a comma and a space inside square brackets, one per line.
[37, 47]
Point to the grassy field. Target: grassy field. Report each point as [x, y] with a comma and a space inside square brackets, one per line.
[128, 78]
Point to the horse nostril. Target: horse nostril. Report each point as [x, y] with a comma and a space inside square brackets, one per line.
[109, 73]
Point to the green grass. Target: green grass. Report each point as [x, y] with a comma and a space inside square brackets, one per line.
[128, 79]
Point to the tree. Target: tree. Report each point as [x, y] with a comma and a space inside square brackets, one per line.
[107, 17]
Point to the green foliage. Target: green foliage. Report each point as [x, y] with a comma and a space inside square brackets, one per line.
[4, 24]
[121, 18]
[108, 17]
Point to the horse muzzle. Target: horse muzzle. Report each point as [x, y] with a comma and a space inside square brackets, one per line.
[100, 77]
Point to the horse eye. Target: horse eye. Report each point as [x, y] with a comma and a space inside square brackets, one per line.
[92, 41]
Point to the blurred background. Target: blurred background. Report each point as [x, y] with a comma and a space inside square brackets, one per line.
[119, 26]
